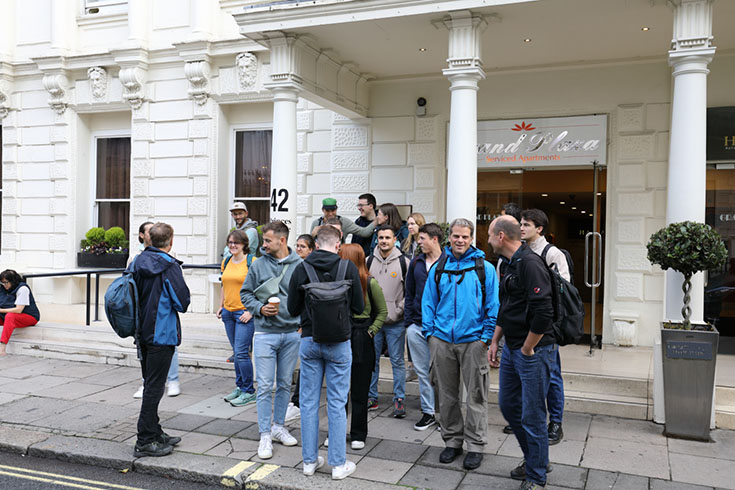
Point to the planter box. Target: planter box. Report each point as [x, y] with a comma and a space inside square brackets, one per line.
[689, 359]
[104, 261]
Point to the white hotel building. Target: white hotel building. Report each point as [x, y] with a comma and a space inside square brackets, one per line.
[116, 112]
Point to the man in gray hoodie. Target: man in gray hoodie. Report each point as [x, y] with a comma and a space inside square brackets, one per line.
[385, 266]
[276, 339]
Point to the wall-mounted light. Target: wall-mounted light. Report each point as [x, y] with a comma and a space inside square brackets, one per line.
[527, 40]
[422, 50]
[645, 28]
[544, 195]
[562, 202]
[516, 171]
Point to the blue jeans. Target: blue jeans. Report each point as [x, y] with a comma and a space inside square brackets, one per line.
[524, 383]
[173, 370]
[395, 336]
[555, 398]
[241, 338]
[275, 357]
[421, 362]
[335, 362]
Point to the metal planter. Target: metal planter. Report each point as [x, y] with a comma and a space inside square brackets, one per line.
[689, 359]
[105, 261]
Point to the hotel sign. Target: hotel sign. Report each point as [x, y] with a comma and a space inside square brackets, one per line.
[546, 142]
[721, 134]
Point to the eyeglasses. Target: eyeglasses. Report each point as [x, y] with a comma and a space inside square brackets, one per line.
[5, 282]
[230, 244]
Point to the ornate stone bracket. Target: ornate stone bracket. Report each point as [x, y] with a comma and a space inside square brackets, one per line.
[56, 85]
[692, 24]
[247, 70]
[133, 83]
[465, 39]
[98, 81]
[198, 74]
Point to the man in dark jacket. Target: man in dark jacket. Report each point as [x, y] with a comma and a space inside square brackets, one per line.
[319, 360]
[430, 238]
[525, 319]
[163, 294]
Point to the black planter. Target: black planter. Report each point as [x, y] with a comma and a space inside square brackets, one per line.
[103, 261]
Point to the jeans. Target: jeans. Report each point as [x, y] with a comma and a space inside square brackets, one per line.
[317, 361]
[524, 383]
[421, 363]
[154, 363]
[555, 398]
[275, 357]
[395, 336]
[241, 338]
[173, 370]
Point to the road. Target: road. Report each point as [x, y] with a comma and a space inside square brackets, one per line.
[27, 473]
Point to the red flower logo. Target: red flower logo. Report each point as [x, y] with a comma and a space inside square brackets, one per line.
[523, 127]
[536, 290]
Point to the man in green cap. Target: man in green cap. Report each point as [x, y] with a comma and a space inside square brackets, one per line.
[329, 210]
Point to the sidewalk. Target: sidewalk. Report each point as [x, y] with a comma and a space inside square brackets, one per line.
[85, 413]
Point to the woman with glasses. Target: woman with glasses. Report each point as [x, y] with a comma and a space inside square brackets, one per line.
[24, 313]
[238, 321]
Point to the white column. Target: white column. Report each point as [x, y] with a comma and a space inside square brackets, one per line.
[138, 11]
[691, 53]
[464, 72]
[283, 160]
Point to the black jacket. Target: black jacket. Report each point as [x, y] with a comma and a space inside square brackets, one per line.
[525, 299]
[326, 264]
[416, 278]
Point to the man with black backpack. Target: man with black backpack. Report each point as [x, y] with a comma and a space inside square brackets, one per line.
[533, 226]
[325, 290]
[526, 320]
[458, 312]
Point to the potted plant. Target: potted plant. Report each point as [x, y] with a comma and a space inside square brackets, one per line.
[100, 248]
[689, 352]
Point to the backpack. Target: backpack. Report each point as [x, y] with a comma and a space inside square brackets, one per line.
[401, 260]
[121, 304]
[567, 255]
[328, 305]
[479, 269]
[568, 319]
[227, 261]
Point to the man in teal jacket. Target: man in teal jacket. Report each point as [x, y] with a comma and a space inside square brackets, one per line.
[458, 320]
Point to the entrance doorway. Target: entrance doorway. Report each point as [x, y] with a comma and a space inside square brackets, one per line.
[567, 197]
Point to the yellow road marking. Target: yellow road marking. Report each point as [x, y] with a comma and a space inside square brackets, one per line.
[238, 468]
[262, 472]
[55, 475]
[49, 480]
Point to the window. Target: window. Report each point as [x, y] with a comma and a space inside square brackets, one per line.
[96, 7]
[253, 172]
[112, 190]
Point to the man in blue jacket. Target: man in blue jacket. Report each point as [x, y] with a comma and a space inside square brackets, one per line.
[430, 238]
[163, 294]
[459, 311]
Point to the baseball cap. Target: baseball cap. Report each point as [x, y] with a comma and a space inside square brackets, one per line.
[329, 203]
[238, 205]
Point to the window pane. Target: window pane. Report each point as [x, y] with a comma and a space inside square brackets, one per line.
[253, 163]
[258, 210]
[114, 214]
[113, 168]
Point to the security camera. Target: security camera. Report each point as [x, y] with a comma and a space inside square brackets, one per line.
[421, 109]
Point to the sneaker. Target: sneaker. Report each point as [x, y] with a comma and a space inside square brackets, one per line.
[174, 389]
[292, 412]
[556, 434]
[310, 468]
[164, 438]
[425, 422]
[472, 461]
[326, 442]
[357, 445]
[399, 409]
[235, 393]
[265, 448]
[343, 471]
[519, 472]
[372, 404]
[139, 393]
[449, 454]
[280, 434]
[529, 485]
[154, 448]
[243, 399]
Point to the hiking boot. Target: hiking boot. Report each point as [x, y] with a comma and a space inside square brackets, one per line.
[164, 438]
[450, 454]
[310, 468]
[280, 434]
[372, 405]
[154, 449]
[507, 429]
[556, 434]
[519, 472]
[243, 399]
[472, 461]
[529, 485]
[399, 409]
[265, 448]
[235, 393]
[425, 422]
[343, 471]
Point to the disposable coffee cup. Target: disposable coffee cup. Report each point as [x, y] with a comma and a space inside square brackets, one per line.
[275, 301]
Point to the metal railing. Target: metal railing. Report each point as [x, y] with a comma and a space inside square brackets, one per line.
[97, 273]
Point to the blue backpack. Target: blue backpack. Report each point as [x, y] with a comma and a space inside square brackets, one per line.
[121, 304]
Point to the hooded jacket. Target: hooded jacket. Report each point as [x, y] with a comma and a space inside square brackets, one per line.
[326, 264]
[261, 270]
[163, 294]
[415, 283]
[389, 274]
[457, 316]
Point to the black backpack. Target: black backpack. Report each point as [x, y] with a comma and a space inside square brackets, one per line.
[479, 269]
[401, 260]
[567, 255]
[328, 305]
[568, 320]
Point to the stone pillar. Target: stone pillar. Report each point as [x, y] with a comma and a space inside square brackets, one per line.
[690, 54]
[284, 166]
[138, 13]
[464, 72]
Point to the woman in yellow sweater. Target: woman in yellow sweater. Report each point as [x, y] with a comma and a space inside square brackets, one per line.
[238, 321]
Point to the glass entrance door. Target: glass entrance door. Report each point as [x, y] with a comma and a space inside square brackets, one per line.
[567, 198]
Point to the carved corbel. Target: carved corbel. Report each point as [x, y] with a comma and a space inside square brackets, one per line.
[198, 74]
[56, 85]
[4, 99]
[98, 81]
[133, 83]
[247, 70]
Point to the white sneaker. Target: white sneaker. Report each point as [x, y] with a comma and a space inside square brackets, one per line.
[310, 468]
[343, 471]
[326, 442]
[357, 445]
[265, 448]
[292, 412]
[174, 389]
[280, 433]
[139, 393]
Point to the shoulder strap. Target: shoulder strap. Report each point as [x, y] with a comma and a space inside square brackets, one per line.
[311, 273]
[404, 268]
[480, 271]
[370, 261]
[250, 260]
[373, 310]
[227, 261]
[438, 271]
[342, 270]
[546, 251]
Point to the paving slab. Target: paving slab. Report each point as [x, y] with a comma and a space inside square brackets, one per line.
[84, 450]
[672, 485]
[214, 406]
[32, 367]
[398, 430]
[232, 447]
[191, 467]
[9, 397]
[432, 478]
[86, 417]
[630, 482]
[484, 482]
[186, 422]
[224, 427]
[567, 476]
[195, 442]
[702, 471]
[634, 457]
[118, 375]
[723, 446]
[116, 395]
[76, 369]
[36, 385]
[28, 409]
[72, 391]
[576, 426]
[381, 470]
[280, 478]
[370, 443]
[431, 458]
[627, 429]
[567, 452]
[397, 451]
[17, 441]
[284, 456]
